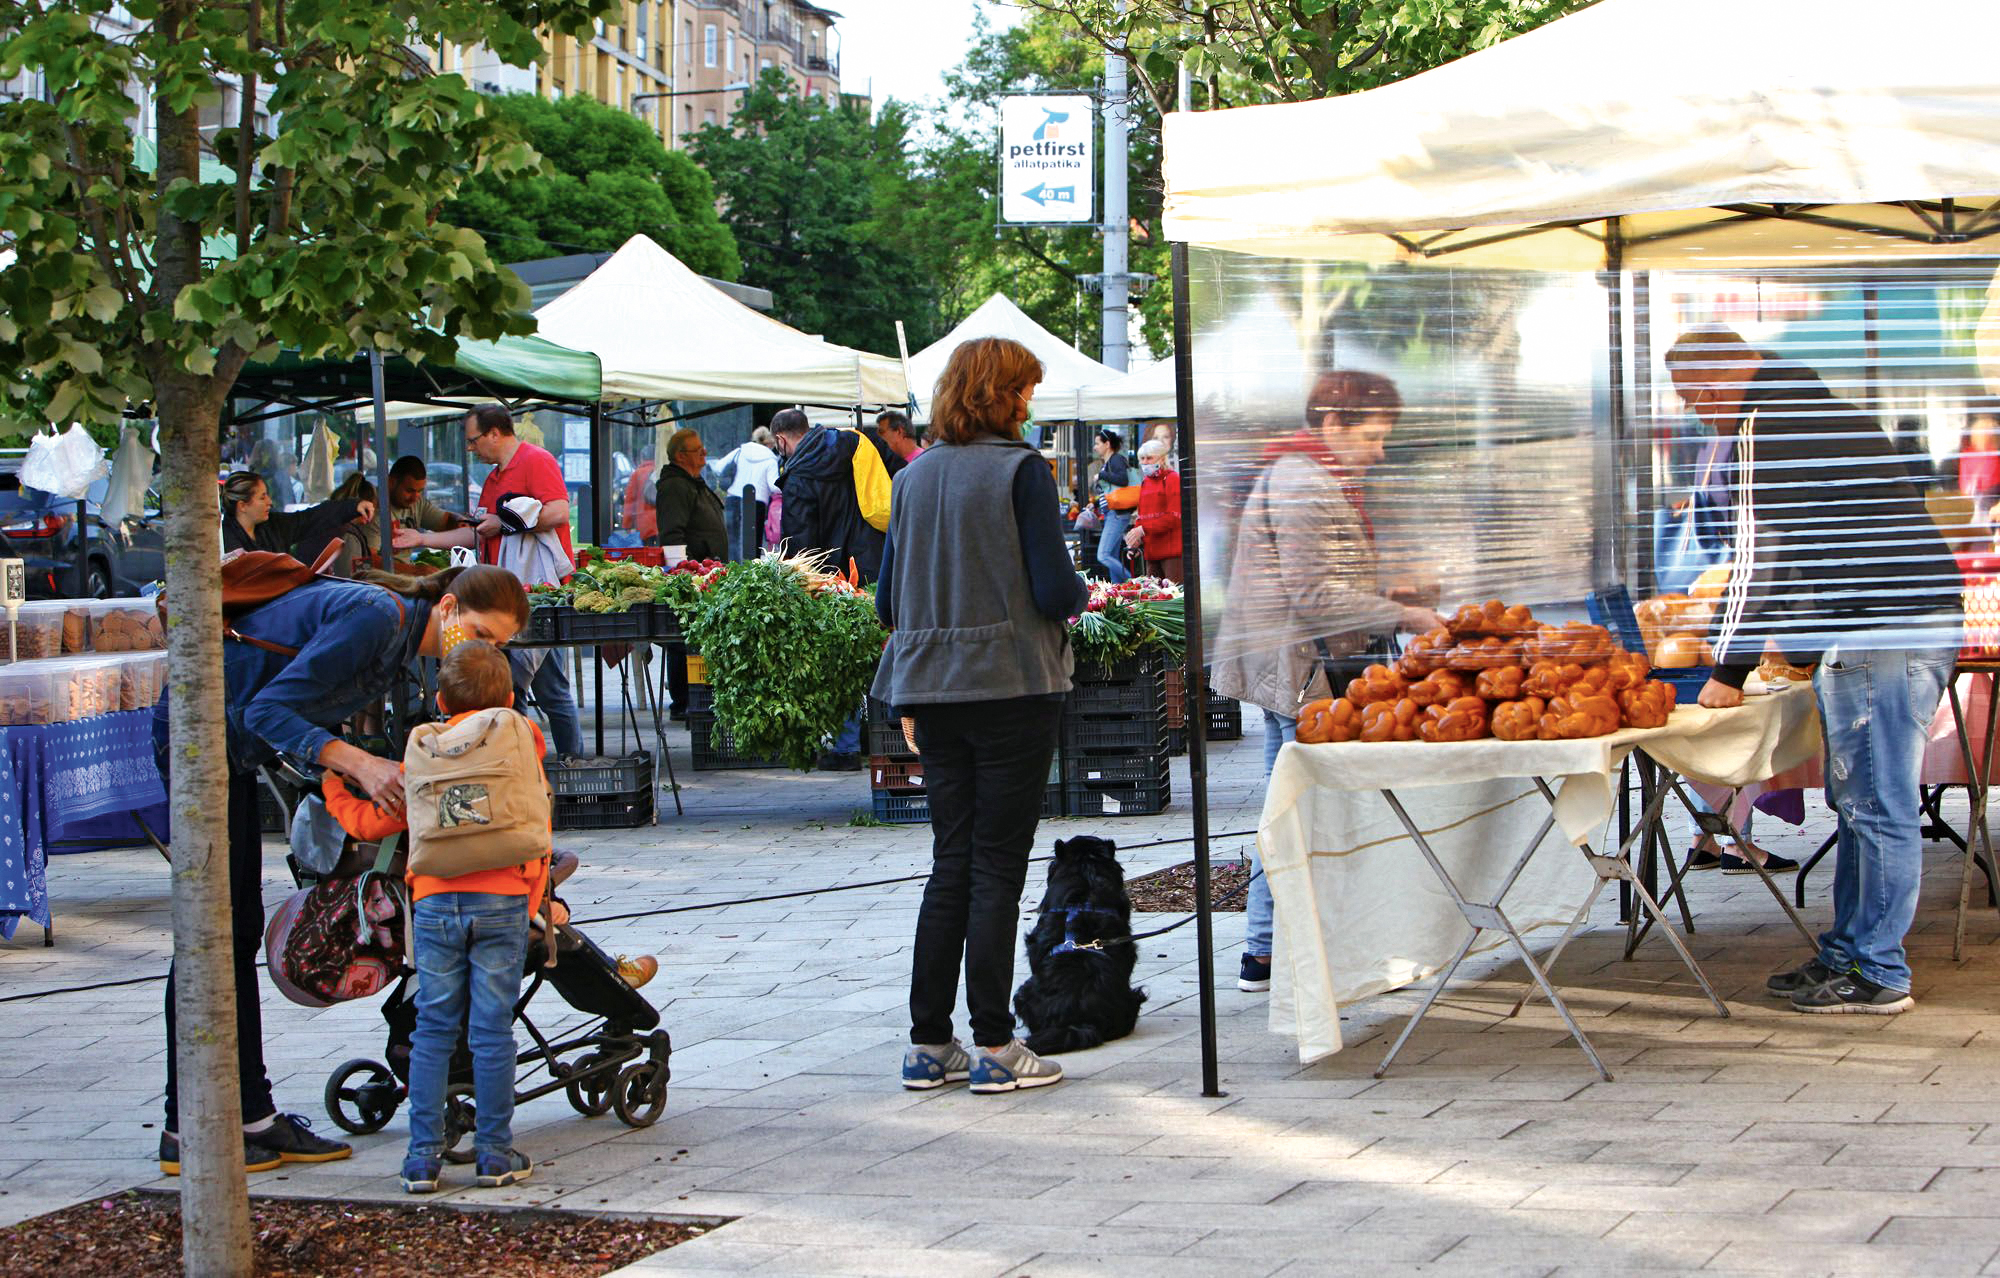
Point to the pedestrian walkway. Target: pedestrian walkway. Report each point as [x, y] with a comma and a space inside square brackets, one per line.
[1768, 1142]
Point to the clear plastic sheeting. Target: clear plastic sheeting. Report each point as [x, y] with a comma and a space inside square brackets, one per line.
[1539, 452]
[1495, 477]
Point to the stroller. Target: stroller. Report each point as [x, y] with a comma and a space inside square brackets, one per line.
[616, 1062]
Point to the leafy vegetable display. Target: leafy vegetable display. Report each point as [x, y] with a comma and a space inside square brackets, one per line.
[790, 648]
[1123, 621]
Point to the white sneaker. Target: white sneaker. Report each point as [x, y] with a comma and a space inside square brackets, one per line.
[926, 1065]
[1004, 1069]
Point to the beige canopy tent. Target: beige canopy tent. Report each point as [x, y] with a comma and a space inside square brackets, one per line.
[662, 332]
[1065, 369]
[1632, 136]
[1144, 394]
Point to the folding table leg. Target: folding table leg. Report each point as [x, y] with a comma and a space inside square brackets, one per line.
[1978, 834]
[1485, 916]
[1619, 867]
[1777, 893]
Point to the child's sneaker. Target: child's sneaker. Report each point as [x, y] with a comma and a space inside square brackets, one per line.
[420, 1175]
[496, 1171]
[926, 1066]
[1003, 1069]
[637, 971]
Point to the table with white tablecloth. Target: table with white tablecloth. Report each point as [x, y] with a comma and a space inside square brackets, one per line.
[1359, 907]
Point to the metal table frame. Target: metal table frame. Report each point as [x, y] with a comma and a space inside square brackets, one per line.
[1489, 916]
[652, 689]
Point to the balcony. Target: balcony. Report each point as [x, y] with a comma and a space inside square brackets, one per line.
[818, 62]
[727, 6]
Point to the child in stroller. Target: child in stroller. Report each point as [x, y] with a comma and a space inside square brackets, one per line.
[616, 1062]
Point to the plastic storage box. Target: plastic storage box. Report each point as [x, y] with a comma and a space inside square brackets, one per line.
[142, 680]
[38, 630]
[113, 625]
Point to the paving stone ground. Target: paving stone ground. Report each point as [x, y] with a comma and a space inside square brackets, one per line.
[1766, 1143]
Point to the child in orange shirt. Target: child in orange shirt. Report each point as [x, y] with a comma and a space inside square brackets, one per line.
[470, 936]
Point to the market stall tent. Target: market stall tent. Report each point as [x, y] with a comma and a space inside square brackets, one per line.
[1144, 394]
[1065, 369]
[662, 332]
[1636, 135]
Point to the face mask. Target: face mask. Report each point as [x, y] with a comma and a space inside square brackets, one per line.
[450, 634]
[1150, 469]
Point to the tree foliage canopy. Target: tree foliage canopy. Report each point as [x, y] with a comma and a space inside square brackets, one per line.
[607, 179]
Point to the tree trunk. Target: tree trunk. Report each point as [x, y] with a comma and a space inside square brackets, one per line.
[215, 1206]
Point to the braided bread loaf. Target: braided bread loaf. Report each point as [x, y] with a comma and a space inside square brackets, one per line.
[1647, 705]
[1519, 720]
[1571, 718]
[1502, 683]
[1328, 719]
[1390, 720]
[1438, 688]
[1425, 653]
[1461, 720]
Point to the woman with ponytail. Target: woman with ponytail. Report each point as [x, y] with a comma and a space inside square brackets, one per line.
[294, 671]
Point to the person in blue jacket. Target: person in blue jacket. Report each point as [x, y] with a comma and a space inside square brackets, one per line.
[294, 670]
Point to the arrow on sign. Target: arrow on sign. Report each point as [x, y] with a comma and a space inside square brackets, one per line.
[1045, 195]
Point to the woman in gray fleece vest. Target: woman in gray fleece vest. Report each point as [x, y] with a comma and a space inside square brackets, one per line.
[977, 587]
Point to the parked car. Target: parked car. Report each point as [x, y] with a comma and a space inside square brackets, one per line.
[41, 530]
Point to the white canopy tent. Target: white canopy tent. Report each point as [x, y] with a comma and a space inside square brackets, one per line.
[1793, 129]
[1066, 370]
[1632, 136]
[662, 332]
[1144, 394]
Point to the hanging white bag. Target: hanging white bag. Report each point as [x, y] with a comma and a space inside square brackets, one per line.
[64, 465]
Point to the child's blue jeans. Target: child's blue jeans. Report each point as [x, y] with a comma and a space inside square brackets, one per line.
[470, 948]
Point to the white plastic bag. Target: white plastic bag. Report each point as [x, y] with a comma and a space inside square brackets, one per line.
[131, 476]
[64, 465]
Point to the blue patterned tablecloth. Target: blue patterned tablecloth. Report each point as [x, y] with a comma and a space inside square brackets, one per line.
[87, 779]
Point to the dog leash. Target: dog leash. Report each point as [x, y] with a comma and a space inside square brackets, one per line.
[1070, 945]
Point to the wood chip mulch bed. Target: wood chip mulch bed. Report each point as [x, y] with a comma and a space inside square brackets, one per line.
[1171, 891]
[139, 1236]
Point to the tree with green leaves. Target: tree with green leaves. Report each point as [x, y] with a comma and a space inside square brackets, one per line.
[608, 179]
[799, 183]
[1245, 52]
[138, 291]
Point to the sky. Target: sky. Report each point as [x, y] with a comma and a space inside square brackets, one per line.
[906, 46]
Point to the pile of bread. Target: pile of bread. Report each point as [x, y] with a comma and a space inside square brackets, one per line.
[1494, 671]
[1675, 627]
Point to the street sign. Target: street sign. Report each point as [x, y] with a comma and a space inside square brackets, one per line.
[1048, 168]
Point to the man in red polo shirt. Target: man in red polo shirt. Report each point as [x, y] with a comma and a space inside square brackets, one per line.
[520, 469]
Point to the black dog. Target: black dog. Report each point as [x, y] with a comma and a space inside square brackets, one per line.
[1079, 990]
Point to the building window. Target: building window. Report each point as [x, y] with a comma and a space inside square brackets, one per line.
[687, 42]
[763, 64]
[643, 26]
[729, 46]
[708, 44]
[687, 115]
[708, 117]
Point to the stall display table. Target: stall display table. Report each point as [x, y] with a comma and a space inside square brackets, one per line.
[651, 688]
[91, 779]
[1358, 914]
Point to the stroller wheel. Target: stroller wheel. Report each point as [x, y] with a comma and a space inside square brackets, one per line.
[459, 1120]
[589, 1088]
[362, 1096]
[639, 1094]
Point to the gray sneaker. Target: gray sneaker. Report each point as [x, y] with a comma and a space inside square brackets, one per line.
[1003, 1069]
[927, 1065]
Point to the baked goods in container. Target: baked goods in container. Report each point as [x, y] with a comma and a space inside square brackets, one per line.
[76, 629]
[1548, 679]
[1627, 670]
[125, 625]
[1390, 720]
[1502, 683]
[1678, 652]
[38, 630]
[1439, 687]
[1461, 720]
[1492, 618]
[143, 677]
[1574, 718]
[1377, 683]
[1425, 653]
[1519, 720]
[1711, 584]
[1483, 654]
[1647, 705]
[1577, 641]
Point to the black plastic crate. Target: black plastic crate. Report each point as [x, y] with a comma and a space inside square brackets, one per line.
[1130, 734]
[1139, 697]
[913, 807]
[664, 623]
[544, 624]
[1225, 719]
[630, 626]
[883, 734]
[627, 774]
[604, 811]
[1150, 667]
[1114, 798]
[1082, 768]
[713, 751]
[701, 699]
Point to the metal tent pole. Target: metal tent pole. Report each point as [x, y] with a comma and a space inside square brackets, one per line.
[1197, 677]
[386, 517]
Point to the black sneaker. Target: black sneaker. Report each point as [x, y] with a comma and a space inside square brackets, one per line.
[1852, 992]
[256, 1158]
[1703, 859]
[1773, 864]
[1254, 976]
[292, 1139]
[1803, 977]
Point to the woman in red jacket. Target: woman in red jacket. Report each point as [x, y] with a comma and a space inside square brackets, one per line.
[1157, 527]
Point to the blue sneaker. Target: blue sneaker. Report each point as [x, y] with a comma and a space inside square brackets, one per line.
[420, 1175]
[1003, 1069]
[497, 1171]
[926, 1066]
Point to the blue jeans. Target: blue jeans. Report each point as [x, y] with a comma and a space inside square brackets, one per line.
[1875, 709]
[470, 948]
[552, 696]
[848, 739]
[1257, 902]
[1111, 544]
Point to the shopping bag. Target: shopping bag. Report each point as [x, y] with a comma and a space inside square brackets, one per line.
[64, 465]
[131, 476]
[1687, 544]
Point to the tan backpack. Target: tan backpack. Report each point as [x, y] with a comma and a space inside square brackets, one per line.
[476, 795]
